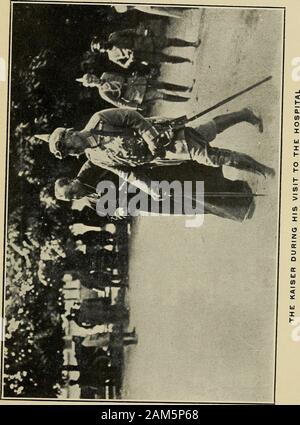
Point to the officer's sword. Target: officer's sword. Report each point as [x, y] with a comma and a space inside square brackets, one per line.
[180, 122]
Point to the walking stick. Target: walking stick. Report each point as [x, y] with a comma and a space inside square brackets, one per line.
[180, 122]
[233, 194]
[223, 195]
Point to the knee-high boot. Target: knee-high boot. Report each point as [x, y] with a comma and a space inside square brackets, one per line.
[244, 115]
[174, 98]
[168, 86]
[179, 42]
[241, 161]
[162, 57]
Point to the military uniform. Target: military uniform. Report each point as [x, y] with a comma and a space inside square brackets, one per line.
[124, 137]
[217, 188]
[145, 46]
[136, 91]
[121, 137]
[125, 143]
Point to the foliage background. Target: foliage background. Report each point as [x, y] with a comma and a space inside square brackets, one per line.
[49, 51]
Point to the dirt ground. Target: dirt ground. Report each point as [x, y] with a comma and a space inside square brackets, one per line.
[203, 300]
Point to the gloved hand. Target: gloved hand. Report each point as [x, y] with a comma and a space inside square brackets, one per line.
[167, 136]
[159, 144]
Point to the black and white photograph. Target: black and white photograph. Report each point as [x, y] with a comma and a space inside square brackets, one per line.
[142, 202]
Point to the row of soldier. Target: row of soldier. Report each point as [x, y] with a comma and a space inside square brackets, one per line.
[97, 321]
[138, 54]
[123, 142]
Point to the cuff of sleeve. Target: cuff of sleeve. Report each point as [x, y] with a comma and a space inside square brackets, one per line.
[150, 135]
